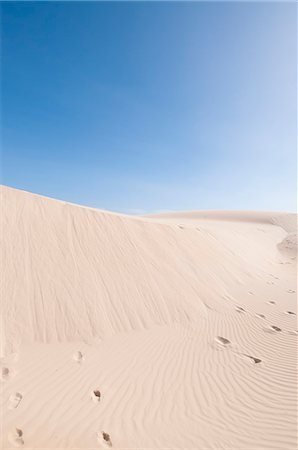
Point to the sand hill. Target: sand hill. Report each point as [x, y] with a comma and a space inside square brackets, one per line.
[159, 332]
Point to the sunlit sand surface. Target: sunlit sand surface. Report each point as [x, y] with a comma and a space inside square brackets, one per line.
[174, 331]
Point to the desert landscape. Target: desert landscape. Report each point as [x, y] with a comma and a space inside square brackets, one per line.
[169, 331]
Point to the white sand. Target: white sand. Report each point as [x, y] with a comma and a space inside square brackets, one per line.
[182, 322]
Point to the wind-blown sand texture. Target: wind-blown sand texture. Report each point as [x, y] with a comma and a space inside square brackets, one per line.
[176, 331]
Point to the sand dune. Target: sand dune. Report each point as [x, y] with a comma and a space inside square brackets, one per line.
[171, 331]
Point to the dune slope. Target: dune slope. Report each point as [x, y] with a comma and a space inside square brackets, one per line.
[185, 324]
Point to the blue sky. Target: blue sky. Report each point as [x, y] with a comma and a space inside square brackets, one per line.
[139, 106]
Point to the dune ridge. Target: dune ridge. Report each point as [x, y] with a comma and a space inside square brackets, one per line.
[184, 323]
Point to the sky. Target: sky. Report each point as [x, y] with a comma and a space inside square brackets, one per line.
[150, 106]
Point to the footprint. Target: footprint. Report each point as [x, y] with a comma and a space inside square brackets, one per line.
[293, 332]
[4, 373]
[270, 282]
[290, 313]
[271, 302]
[275, 328]
[222, 340]
[16, 437]
[253, 359]
[14, 400]
[104, 438]
[180, 226]
[290, 291]
[261, 316]
[274, 276]
[272, 329]
[78, 357]
[239, 309]
[251, 293]
[96, 395]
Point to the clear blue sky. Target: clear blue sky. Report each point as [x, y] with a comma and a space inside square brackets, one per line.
[151, 106]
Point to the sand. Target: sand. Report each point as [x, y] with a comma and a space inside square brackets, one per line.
[175, 331]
